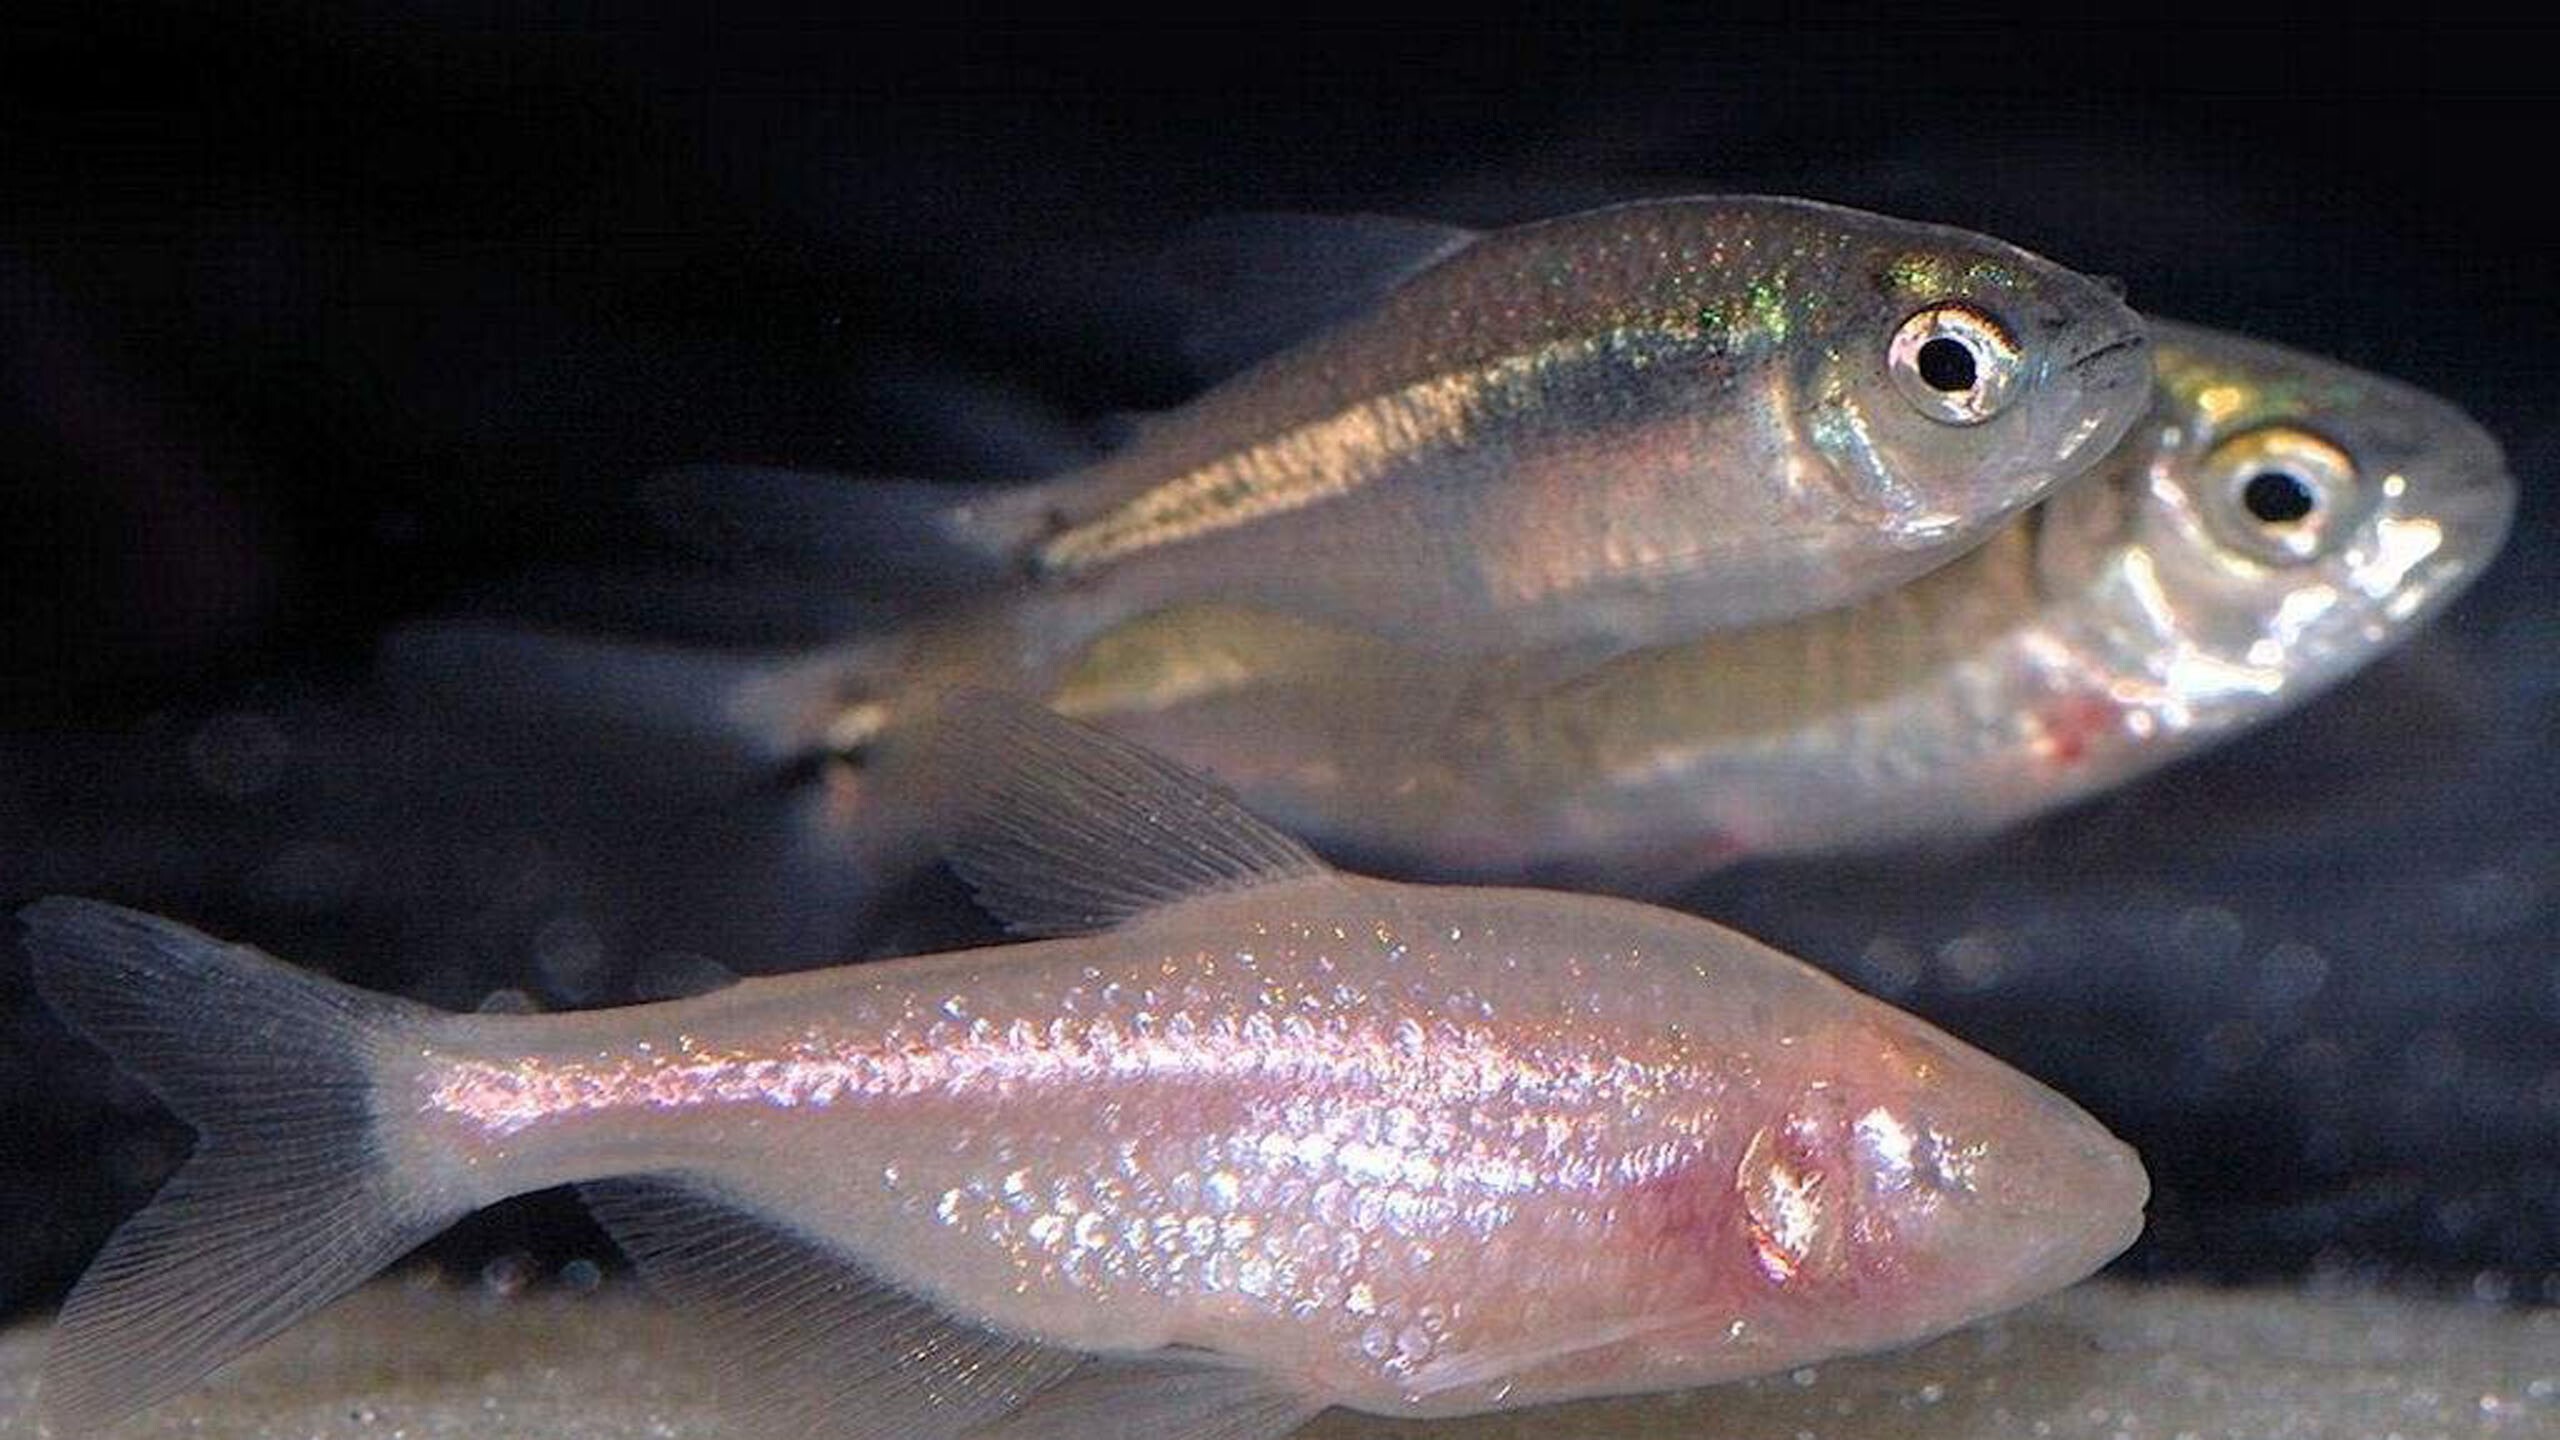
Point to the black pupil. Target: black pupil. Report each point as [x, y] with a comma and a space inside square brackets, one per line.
[1946, 365]
[2277, 498]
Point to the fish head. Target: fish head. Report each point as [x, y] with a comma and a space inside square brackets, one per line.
[2273, 525]
[1914, 1184]
[1965, 380]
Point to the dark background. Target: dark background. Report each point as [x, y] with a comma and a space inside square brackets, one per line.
[315, 320]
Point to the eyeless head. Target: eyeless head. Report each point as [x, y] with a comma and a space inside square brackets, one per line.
[1923, 1184]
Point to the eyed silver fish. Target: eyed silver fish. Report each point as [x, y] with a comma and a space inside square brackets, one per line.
[1266, 1138]
[1581, 435]
[2137, 617]
[2274, 525]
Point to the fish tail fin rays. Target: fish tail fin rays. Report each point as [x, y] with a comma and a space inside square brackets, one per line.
[857, 535]
[812, 1343]
[708, 722]
[683, 603]
[1065, 829]
[290, 1198]
[728, 793]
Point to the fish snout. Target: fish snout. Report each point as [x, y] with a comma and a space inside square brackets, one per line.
[2016, 1200]
[2101, 361]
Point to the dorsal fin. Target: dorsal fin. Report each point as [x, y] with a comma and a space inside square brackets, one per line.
[1063, 829]
[1249, 286]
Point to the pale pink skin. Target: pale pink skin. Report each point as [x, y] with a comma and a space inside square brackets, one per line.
[1415, 1151]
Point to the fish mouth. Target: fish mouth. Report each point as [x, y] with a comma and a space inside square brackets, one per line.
[2096, 353]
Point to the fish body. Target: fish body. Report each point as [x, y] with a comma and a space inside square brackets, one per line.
[2137, 616]
[1265, 1138]
[1584, 435]
[1525, 450]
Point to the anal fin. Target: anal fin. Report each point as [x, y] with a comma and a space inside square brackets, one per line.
[1162, 1397]
[813, 1344]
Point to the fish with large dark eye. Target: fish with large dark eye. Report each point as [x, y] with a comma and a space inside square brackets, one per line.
[1955, 363]
[1530, 449]
[2281, 492]
[2274, 525]
[1573, 437]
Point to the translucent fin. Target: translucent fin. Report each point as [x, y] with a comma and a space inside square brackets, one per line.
[1477, 1367]
[1166, 1397]
[684, 605]
[813, 1345]
[286, 1203]
[973, 427]
[1120, 429]
[1064, 829]
[684, 799]
[902, 538]
[1250, 286]
[709, 723]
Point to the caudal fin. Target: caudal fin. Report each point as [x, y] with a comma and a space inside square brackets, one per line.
[288, 1200]
[727, 801]
[907, 538]
[708, 724]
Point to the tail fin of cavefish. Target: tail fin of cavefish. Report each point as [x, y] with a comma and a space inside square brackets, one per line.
[288, 1200]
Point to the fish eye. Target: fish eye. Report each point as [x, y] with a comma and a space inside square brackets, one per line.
[2282, 493]
[1954, 363]
[2278, 497]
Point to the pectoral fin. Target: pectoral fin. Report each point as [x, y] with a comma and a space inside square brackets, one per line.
[1458, 1370]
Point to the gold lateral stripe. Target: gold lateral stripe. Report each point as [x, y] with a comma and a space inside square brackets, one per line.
[1332, 456]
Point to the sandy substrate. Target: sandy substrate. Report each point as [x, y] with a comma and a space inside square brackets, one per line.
[406, 1360]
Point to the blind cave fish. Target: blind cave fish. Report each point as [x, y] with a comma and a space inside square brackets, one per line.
[1238, 1138]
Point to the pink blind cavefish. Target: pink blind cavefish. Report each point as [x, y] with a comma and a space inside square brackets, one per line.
[1239, 1138]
